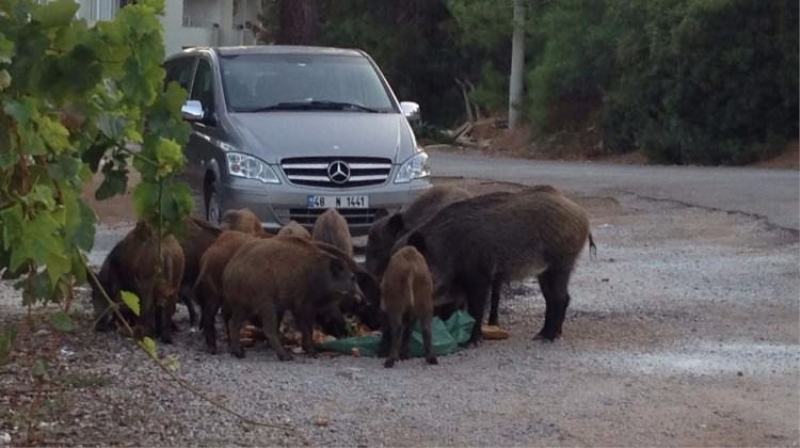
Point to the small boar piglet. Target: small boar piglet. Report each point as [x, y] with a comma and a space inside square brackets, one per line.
[294, 229]
[331, 227]
[407, 297]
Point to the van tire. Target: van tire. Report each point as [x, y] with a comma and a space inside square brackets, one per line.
[213, 206]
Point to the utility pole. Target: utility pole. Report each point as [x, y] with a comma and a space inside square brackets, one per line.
[517, 64]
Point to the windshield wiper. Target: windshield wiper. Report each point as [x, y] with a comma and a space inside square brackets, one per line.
[313, 105]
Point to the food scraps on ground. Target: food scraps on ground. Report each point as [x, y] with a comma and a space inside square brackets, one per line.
[494, 332]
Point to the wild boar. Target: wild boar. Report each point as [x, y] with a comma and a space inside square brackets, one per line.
[200, 234]
[132, 266]
[331, 227]
[406, 297]
[294, 229]
[271, 276]
[385, 231]
[475, 246]
[243, 220]
[367, 310]
[208, 287]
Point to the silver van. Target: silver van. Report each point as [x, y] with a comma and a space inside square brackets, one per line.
[291, 131]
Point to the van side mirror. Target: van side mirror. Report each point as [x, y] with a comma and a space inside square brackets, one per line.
[192, 110]
[410, 110]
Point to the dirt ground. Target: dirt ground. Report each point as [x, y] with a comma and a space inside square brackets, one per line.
[683, 332]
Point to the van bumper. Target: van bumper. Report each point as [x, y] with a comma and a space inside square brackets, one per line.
[276, 205]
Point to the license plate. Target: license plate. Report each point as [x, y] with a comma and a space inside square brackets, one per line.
[338, 202]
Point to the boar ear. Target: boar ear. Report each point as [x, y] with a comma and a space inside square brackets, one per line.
[337, 266]
[418, 241]
[395, 224]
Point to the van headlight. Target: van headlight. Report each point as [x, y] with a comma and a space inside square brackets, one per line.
[243, 165]
[414, 168]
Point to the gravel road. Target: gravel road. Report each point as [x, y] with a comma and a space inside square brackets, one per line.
[683, 331]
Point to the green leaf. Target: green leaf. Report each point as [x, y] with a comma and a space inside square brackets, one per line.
[55, 13]
[20, 111]
[7, 339]
[39, 370]
[62, 322]
[5, 79]
[53, 133]
[149, 346]
[131, 300]
[112, 126]
[58, 265]
[171, 362]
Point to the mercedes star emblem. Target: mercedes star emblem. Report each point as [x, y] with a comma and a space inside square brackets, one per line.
[338, 172]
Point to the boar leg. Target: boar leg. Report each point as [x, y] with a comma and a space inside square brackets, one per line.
[164, 323]
[208, 321]
[427, 339]
[234, 327]
[269, 324]
[476, 306]
[497, 286]
[305, 323]
[386, 337]
[397, 330]
[553, 284]
[186, 297]
[405, 350]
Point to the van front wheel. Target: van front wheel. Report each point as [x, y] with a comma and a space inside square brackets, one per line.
[212, 204]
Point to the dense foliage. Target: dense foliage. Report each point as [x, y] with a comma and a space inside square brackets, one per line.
[691, 81]
[74, 100]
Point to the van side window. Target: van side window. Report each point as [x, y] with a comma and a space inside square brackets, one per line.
[203, 86]
[180, 71]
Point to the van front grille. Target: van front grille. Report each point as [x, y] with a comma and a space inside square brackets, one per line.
[353, 216]
[337, 172]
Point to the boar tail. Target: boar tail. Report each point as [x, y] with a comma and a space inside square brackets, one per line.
[410, 289]
[592, 247]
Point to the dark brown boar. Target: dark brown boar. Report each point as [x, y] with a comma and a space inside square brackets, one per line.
[385, 231]
[294, 229]
[367, 310]
[475, 246]
[200, 235]
[406, 297]
[132, 266]
[269, 277]
[208, 288]
[331, 227]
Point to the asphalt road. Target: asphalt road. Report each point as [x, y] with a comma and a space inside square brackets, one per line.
[767, 193]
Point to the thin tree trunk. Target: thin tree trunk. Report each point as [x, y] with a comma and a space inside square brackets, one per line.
[517, 64]
[299, 22]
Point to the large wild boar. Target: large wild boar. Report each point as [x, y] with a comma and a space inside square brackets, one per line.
[269, 277]
[131, 266]
[406, 297]
[475, 246]
[208, 288]
[293, 228]
[331, 227]
[385, 231]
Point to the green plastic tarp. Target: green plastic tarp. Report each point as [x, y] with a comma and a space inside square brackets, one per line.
[448, 336]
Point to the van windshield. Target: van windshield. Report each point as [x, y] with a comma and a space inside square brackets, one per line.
[265, 82]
